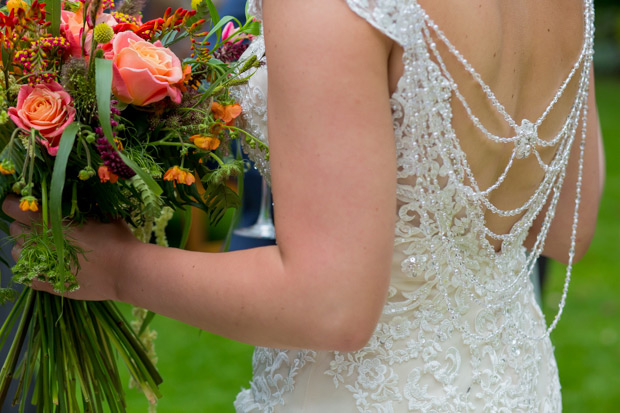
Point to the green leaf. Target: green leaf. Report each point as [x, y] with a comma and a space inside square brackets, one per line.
[215, 16]
[54, 8]
[187, 223]
[20, 336]
[145, 323]
[6, 56]
[218, 199]
[218, 27]
[58, 183]
[103, 73]
[252, 28]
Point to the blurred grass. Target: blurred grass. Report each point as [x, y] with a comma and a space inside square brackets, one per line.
[203, 372]
[587, 339]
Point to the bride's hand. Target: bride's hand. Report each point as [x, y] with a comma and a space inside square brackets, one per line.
[105, 247]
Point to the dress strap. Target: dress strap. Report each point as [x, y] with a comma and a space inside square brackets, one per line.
[255, 8]
[399, 20]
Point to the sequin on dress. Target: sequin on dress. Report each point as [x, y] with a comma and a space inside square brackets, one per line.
[461, 330]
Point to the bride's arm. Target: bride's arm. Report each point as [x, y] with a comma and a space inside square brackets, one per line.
[558, 240]
[333, 173]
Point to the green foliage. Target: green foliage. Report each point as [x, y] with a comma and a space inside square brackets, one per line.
[72, 345]
[5, 188]
[132, 7]
[39, 260]
[13, 150]
[81, 87]
[57, 186]
[218, 199]
[6, 295]
[219, 175]
[151, 202]
[144, 161]
[587, 339]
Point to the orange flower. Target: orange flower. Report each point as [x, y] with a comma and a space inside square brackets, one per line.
[7, 167]
[187, 78]
[180, 175]
[227, 113]
[216, 128]
[28, 203]
[106, 175]
[210, 143]
[14, 5]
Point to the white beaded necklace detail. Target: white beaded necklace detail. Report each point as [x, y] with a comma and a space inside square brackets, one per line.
[525, 141]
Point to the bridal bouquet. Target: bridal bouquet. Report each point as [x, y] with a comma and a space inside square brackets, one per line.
[99, 119]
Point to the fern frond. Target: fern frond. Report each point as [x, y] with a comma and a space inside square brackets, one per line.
[152, 203]
[218, 199]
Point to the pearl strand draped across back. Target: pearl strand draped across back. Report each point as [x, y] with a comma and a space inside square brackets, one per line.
[461, 330]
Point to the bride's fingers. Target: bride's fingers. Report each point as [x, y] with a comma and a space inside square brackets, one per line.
[16, 228]
[16, 251]
[10, 206]
[42, 286]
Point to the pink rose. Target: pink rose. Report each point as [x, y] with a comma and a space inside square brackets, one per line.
[144, 72]
[46, 107]
[71, 25]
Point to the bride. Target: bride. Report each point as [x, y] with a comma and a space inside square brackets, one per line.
[417, 150]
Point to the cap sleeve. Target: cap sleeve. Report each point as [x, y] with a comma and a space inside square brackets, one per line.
[400, 20]
[255, 8]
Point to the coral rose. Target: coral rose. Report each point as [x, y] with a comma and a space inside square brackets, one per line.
[46, 107]
[144, 72]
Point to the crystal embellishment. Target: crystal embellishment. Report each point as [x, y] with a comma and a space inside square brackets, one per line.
[527, 136]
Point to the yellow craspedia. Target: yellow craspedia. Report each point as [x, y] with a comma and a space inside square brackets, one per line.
[195, 4]
[103, 33]
[16, 4]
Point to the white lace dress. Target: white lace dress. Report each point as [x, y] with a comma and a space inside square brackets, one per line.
[461, 330]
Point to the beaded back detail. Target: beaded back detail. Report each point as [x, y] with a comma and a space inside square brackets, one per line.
[461, 330]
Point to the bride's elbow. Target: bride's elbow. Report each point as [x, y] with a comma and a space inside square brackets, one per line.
[561, 251]
[349, 330]
[351, 337]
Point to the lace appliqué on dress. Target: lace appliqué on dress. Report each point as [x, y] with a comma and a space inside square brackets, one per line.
[274, 377]
[253, 97]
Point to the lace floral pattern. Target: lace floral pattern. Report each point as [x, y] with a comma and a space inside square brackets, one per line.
[461, 330]
[254, 99]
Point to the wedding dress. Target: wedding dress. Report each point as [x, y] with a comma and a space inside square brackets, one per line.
[461, 330]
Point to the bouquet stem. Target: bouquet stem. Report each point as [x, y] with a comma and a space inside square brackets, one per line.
[72, 355]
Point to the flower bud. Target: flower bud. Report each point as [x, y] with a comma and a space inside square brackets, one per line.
[26, 189]
[86, 173]
[18, 186]
[248, 64]
[7, 167]
[90, 137]
[103, 33]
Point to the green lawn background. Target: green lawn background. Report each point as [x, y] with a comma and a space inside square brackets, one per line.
[204, 372]
[587, 339]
